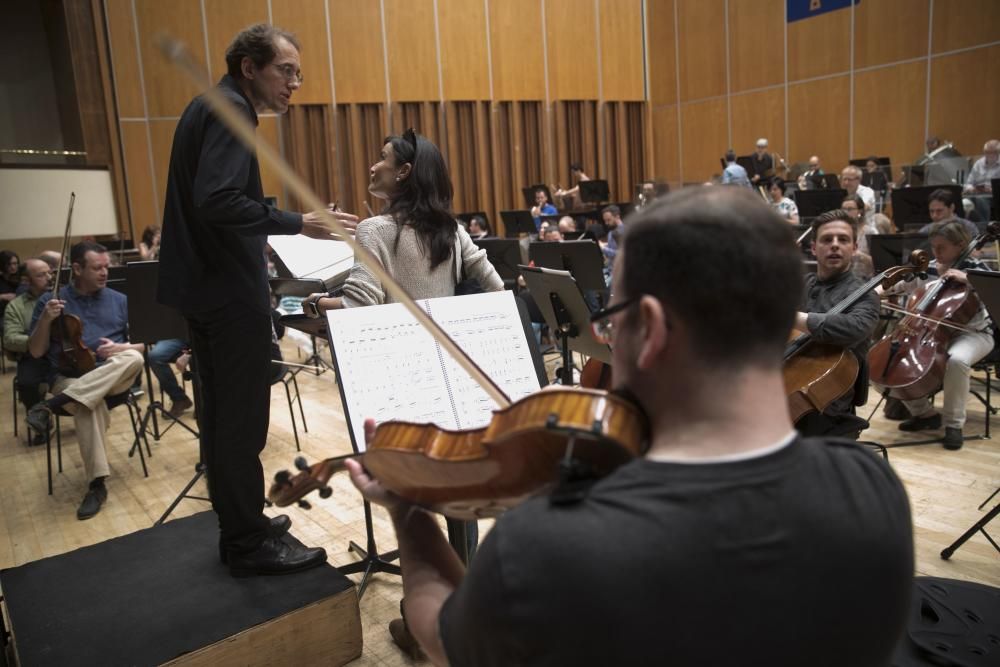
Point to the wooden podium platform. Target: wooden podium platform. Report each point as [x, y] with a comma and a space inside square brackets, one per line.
[160, 596]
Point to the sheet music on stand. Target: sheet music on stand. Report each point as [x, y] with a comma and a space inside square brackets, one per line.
[389, 366]
[304, 258]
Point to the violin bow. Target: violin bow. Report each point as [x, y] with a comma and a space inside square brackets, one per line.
[65, 244]
[177, 52]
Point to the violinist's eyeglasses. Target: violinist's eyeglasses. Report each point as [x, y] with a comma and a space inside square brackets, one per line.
[290, 72]
[601, 324]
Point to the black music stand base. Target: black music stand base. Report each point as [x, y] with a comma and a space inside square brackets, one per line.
[199, 470]
[371, 560]
[154, 406]
[978, 527]
[316, 361]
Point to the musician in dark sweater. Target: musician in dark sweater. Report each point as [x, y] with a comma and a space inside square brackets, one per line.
[732, 540]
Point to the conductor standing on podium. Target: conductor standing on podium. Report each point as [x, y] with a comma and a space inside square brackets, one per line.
[212, 268]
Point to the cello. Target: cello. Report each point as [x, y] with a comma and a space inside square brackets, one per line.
[461, 474]
[910, 362]
[817, 374]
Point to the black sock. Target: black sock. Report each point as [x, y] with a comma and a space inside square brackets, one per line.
[97, 483]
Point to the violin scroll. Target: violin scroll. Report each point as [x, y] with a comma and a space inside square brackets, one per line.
[288, 489]
[917, 268]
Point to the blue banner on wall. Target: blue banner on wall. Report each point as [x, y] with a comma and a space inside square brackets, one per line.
[803, 9]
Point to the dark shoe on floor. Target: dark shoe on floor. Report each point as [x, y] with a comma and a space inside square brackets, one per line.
[179, 407]
[35, 439]
[953, 438]
[275, 557]
[404, 640]
[895, 410]
[277, 526]
[39, 418]
[91, 505]
[929, 423]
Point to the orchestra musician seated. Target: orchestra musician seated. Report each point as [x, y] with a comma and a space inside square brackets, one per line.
[541, 207]
[834, 245]
[781, 204]
[570, 199]
[725, 526]
[941, 208]
[104, 314]
[810, 178]
[479, 228]
[948, 241]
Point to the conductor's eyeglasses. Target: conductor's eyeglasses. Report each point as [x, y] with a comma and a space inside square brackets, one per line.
[290, 72]
[600, 322]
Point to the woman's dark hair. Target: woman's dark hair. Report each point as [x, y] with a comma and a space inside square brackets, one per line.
[149, 234]
[257, 43]
[423, 200]
[943, 196]
[858, 201]
[5, 257]
[776, 181]
[481, 221]
[575, 166]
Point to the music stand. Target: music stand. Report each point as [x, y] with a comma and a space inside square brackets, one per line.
[987, 284]
[594, 191]
[529, 194]
[889, 250]
[813, 203]
[583, 259]
[559, 299]
[909, 205]
[504, 255]
[995, 186]
[518, 222]
[148, 323]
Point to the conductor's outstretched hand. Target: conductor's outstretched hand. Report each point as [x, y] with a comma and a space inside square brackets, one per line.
[315, 227]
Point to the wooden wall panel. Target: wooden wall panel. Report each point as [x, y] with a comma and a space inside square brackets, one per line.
[666, 157]
[819, 45]
[622, 60]
[161, 133]
[464, 56]
[124, 58]
[886, 31]
[963, 106]
[413, 60]
[571, 37]
[307, 19]
[516, 50]
[820, 104]
[889, 112]
[662, 55]
[760, 114]
[135, 147]
[702, 37]
[358, 59]
[962, 23]
[223, 20]
[168, 89]
[267, 132]
[756, 44]
[704, 132]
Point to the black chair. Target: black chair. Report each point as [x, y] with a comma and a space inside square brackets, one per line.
[129, 398]
[990, 367]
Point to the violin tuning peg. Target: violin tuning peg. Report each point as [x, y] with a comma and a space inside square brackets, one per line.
[325, 492]
[301, 463]
[283, 478]
[304, 504]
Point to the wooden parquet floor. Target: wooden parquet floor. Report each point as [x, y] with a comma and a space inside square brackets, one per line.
[944, 487]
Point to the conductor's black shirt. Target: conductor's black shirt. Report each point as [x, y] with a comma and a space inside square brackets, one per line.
[215, 221]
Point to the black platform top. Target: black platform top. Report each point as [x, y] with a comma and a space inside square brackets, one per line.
[146, 598]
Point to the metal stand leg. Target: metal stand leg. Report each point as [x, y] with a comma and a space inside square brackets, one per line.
[371, 560]
[978, 527]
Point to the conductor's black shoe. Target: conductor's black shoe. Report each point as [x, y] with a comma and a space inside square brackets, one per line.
[928, 423]
[276, 527]
[275, 557]
[39, 417]
[953, 438]
[91, 505]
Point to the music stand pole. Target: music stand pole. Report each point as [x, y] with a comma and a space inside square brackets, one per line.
[566, 330]
[157, 405]
[978, 527]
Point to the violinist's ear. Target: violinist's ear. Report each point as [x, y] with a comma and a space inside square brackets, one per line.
[655, 331]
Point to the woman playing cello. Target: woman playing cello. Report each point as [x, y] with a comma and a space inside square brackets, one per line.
[948, 241]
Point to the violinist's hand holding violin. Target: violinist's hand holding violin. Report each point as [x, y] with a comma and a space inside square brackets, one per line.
[315, 227]
[53, 309]
[370, 487]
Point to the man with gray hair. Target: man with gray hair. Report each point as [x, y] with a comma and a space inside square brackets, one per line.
[984, 170]
[762, 164]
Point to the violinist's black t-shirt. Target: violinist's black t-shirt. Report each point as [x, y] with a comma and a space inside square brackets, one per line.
[803, 556]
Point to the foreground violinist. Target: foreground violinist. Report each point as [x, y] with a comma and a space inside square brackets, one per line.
[733, 539]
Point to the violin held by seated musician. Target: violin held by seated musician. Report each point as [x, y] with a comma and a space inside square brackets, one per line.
[926, 352]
